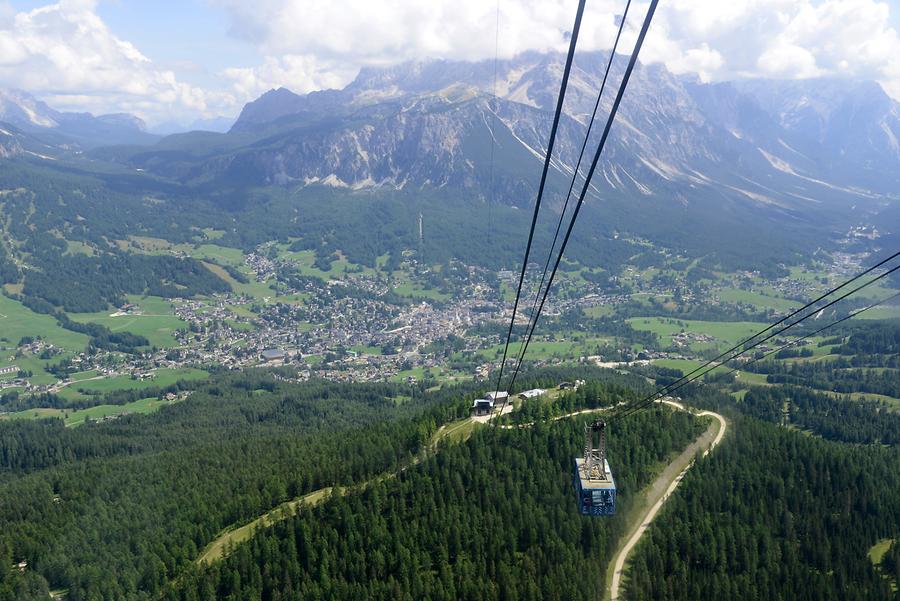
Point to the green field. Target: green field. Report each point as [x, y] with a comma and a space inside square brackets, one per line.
[547, 349]
[882, 312]
[210, 252]
[157, 320]
[163, 377]
[76, 417]
[685, 365]
[877, 292]
[213, 257]
[17, 321]
[258, 290]
[240, 325]
[78, 248]
[212, 234]
[893, 403]
[757, 299]
[412, 290]
[728, 332]
[602, 311]
[35, 365]
[416, 372]
[438, 374]
[749, 378]
[304, 260]
[366, 350]
[221, 254]
[876, 553]
[83, 375]
[804, 275]
[508, 291]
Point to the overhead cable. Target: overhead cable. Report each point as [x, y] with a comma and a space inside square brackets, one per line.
[537, 205]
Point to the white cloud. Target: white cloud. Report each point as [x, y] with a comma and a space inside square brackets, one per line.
[717, 39]
[300, 73]
[312, 43]
[779, 38]
[788, 60]
[65, 53]
[389, 31]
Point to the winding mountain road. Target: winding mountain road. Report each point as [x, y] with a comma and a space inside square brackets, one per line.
[663, 487]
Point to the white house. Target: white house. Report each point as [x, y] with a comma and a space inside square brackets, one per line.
[482, 406]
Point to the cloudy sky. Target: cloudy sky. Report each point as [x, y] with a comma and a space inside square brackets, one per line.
[179, 60]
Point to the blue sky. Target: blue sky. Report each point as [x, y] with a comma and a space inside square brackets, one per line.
[179, 33]
[168, 60]
[189, 36]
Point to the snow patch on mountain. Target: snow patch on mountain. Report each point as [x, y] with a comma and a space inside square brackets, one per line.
[777, 163]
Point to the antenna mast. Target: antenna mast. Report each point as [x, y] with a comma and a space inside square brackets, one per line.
[421, 241]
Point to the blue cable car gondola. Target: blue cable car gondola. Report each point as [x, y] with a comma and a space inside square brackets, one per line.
[593, 480]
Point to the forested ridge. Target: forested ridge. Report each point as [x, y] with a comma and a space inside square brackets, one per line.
[775, 515]
[79, 283]
[122, 510]
[124, 506]
[841, 419]
[492, 518]
[119, 510]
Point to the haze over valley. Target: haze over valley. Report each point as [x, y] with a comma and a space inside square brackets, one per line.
[277, 332]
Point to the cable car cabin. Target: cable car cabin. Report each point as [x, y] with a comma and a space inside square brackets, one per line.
[595, 496]
[594, 484]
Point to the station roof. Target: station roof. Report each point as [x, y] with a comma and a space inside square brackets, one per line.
[528, 394]
[595, 484]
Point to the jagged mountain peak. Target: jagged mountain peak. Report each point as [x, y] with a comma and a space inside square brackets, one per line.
[431, 124]
[20, 108]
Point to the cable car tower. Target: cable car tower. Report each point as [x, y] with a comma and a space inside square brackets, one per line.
[593, 478]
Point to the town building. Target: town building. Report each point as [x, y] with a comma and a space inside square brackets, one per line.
[272, 355]
[482, 406]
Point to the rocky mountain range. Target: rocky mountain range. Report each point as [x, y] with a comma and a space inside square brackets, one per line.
[430, 124]
[820, 152]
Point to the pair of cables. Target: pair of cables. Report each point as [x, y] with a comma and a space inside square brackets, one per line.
[807, 311]
[536, 313]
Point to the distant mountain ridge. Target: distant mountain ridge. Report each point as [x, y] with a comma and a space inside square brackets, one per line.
[214, 124]
[31, 115]
[781, 143]
[760, 160]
